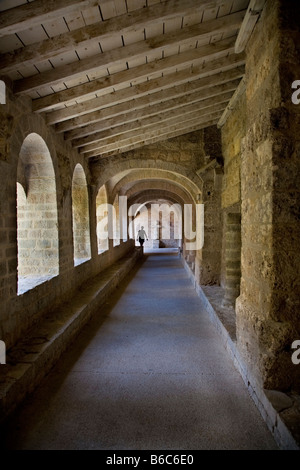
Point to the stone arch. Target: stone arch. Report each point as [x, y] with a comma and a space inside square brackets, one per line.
[19, 133]
[173, 190]
[114, 172]
[37, 217]
[128, 174]
[80, 217]
[160, 212]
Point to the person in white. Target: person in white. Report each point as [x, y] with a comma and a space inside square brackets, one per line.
[141, 235]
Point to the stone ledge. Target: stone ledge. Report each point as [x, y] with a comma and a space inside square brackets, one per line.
[280, 411]
[32, 358]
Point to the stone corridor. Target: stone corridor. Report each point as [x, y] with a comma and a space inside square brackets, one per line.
[182, 117]
[147, 372]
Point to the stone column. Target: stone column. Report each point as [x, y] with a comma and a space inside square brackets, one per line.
[268, 307]
[208, 260]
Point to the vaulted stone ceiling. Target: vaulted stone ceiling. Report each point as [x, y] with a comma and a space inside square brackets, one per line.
[114, 75]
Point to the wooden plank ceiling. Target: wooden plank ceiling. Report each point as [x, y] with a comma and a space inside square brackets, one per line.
[114, 75]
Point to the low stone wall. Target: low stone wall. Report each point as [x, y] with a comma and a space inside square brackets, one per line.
[32, 358]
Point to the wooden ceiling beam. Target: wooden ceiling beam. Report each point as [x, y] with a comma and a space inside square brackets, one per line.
[165, 97]
[89, 132]
[35, 13]
[140, 98]
[163, 134]
[96, 156]
[120, 56]
[163, 120]
[151, 140]
[156, 123]
[252, 15]
[74, 116]
[240, 90]
[106, 84]
[84, 37]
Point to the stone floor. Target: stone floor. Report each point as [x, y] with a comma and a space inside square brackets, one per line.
[149, 372]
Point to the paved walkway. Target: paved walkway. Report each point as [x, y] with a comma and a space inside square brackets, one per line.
[149, 373]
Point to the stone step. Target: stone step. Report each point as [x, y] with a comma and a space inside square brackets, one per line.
[34, 356]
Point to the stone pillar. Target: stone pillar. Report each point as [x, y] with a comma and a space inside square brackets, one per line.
[208, 260]
[232, 259]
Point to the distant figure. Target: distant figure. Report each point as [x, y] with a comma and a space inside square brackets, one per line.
[141, 235]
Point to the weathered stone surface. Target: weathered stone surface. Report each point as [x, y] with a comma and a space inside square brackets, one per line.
[279, 400]
[246, 175]
[270, 213]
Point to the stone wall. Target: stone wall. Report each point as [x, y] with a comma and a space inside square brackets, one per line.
[208, 259]
[267, 315]
[73, 210]
[259, 182]
[186, 150]
[233, 132]
[18, 313]
[193, 162]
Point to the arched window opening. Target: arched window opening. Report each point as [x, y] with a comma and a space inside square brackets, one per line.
[102, 214]
[81, 218]
[37, 223]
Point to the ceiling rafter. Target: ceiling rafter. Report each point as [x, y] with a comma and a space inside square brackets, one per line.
[183, 82]
[34, 13]
[87, 35]
[104, 61]
[163, 66]
[147, 140]
[147, 111]
[124, 75]
[161, 123]
[156, 121]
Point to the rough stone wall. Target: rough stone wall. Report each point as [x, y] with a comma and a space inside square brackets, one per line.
[267, 314]
[18, 313]
[186, 150]
[208, 259]
[186, 155]
[233, 132]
